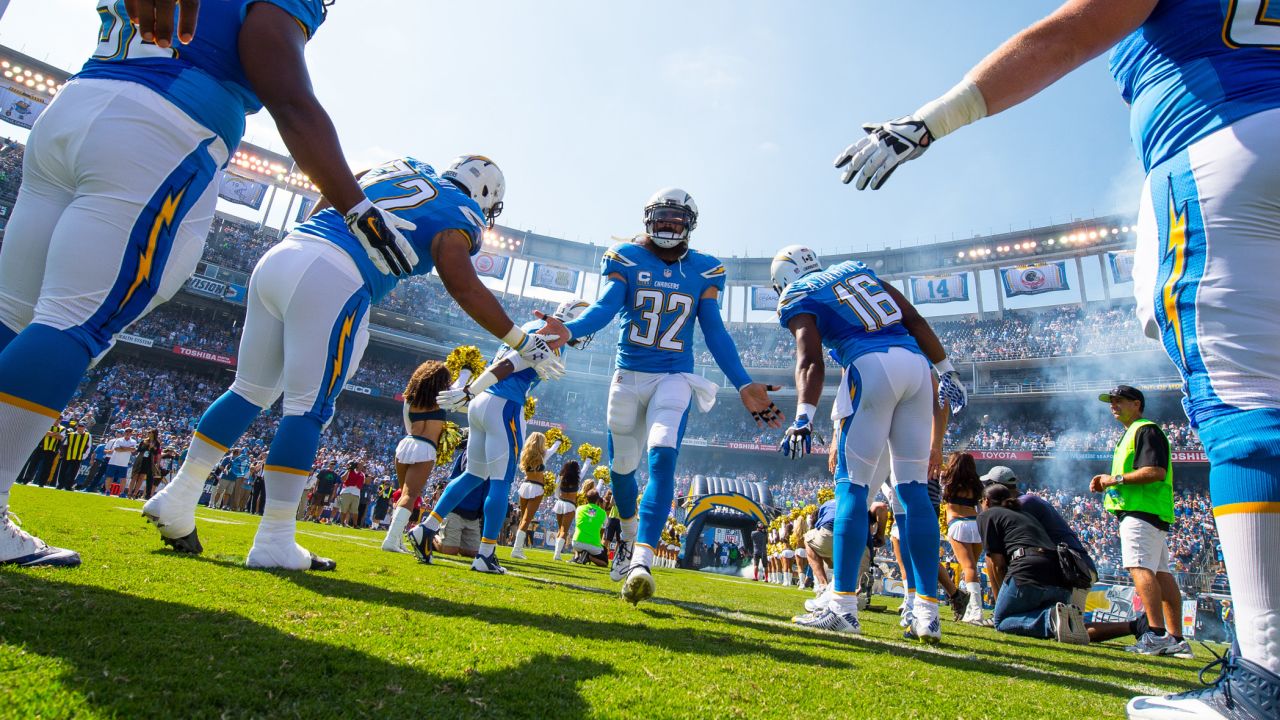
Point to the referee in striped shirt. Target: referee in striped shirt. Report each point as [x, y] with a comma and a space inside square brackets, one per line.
[75, 448]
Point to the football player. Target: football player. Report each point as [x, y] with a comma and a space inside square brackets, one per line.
[659, 285]
[306, 328]
[1202, 79]
[494, 402]
[886, 394]
[118, 194]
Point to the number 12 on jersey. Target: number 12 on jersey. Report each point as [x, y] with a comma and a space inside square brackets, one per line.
[869, 301]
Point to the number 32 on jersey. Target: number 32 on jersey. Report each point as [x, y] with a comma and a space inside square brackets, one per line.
[654, 307]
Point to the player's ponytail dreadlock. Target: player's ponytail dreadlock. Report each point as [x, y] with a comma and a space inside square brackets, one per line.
[427, 381]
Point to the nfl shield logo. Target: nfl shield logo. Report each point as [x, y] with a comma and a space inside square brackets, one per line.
[666, 273]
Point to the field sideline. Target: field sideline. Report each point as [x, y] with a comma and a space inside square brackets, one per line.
[139, 631]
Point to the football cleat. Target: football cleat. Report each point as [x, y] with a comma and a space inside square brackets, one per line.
[639, 585]
[20, 548]
[621, 561]
[830, 620]
[283, 557]
[422, 542]
[928, 632]
[905, 617]
[488, 564]
[1242, 691]
[177, 525]
[820, 602]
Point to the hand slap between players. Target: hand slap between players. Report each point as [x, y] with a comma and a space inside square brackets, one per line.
[755, 397]
[379, 232]
[886, 146]
[798, 440]
[154, 19]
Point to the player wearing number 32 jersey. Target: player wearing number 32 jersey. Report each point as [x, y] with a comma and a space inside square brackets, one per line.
[659, 287]
[306, 327]
[1202, 79]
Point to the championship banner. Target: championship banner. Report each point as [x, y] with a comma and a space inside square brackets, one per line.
[494, 266]
[19, 104]
[1034, 279]
[241, 190]
[204, 355]
[764, 298]
[940, 288]
[554, 277]
[1121, 266]
[135, 339]
[304, 208]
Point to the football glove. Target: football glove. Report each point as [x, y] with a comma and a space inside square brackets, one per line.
[379, 232]
[886, 145]
[798, 439]
[545, 361]
[951, 391]
[454, 399]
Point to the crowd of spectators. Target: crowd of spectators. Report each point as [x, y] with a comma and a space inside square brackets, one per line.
[11, 154]
[1045, 436]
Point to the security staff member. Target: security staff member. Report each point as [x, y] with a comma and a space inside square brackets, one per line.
[75, 448]
[1139, 492]
[46, 456]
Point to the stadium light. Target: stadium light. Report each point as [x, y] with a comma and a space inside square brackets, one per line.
[961, 255]
[1049, 241]
[8, 74]
[4, 63]
[1124, 229]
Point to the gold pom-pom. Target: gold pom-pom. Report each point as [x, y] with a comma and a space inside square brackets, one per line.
[590, 453]
[464, 357]
[549, 485]
[809, 509]
[555, 435]
[530, 407]
[826, 494]
[601, 473]
[450, 438]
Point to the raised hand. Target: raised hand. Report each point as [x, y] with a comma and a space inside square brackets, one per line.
[872, 159]
[755, 397]
[154, 19]
[379, 232]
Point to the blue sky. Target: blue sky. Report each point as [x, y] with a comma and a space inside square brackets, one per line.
[589, 107]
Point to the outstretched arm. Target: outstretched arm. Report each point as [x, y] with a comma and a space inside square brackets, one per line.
[719, 342]
[601, 312]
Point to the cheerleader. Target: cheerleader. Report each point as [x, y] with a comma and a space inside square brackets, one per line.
[533, 463]
[416, 452]
[566, 504]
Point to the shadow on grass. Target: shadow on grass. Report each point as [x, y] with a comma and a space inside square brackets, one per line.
[133, 657]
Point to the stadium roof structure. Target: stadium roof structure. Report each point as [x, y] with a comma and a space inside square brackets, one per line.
[1052, 242]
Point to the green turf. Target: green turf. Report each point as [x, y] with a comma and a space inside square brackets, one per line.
[138, 631]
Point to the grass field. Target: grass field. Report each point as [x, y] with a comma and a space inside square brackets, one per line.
[138, 631]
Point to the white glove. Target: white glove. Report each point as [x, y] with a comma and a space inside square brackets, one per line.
[886, 146]
[454, 400]
[379, 232]
[545, 361]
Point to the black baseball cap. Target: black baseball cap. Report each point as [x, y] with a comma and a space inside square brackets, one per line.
[1124, 391]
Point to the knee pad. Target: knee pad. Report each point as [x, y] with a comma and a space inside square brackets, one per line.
[261, 396]
[624, 453]
[668, 409]
[624, 410]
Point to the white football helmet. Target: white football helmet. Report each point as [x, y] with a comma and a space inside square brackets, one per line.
[792, 263]
[668, 207]
[570, 310]
[482, 179]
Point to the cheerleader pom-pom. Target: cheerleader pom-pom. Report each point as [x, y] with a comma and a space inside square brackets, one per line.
[450, 438]
[530, 407]
[464, 358]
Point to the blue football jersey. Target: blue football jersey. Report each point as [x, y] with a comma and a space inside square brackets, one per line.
[204, 79]
[517, 386]
[854, 313]
[1196, 66]
[414, 192]
[661, 306]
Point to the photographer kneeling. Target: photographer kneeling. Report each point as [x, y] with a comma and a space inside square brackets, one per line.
[1032, 595]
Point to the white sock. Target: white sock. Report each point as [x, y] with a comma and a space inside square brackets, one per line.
[520, 538]
[20, 431]
[399, 519]
[844, 603]
[433, 521]
[925, 611]
[643, 555]
[911, 600]
[486, 549]
[559, 547]
[1247, 541]
[283, 489]
[188, 483]
[630, 528]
